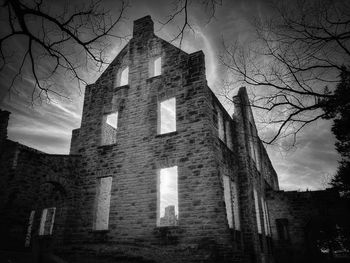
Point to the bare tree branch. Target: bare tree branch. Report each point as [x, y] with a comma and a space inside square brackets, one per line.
[293, 63]
[55, 38]
[181, 10]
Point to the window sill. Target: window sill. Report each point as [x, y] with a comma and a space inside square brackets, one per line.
[168, 234]
[107, 146]
[105, 149]
[95, 231]
[121, 87]
[166, 134]
[226, 146]
[151, 79]
[166, 228]
[236, 238]
[254, 164]
[46, 236]
[165, 232]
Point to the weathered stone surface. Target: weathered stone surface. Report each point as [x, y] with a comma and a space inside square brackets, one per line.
[305, 213]
[131, 158]
[32, 180]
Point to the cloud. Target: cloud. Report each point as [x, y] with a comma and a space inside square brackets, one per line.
[311, 163]
[168, 189]
[48, 126]
[47, 140]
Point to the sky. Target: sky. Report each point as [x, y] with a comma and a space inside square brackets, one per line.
[47, 125]
[168, 189]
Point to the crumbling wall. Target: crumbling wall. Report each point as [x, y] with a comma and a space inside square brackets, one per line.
[75, 142]
[139, 152]
[31, 181]
[302, 213]
[207, 146]
[255, 174]
[4, 118]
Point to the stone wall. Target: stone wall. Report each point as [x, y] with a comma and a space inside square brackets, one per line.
[133, 161]
[306, 215]
[196, 148]
[32, 180]
[4, 118]
[207, 145]
[253, 173]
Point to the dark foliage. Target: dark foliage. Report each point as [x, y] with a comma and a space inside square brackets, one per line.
[337, 108]
[295, 54]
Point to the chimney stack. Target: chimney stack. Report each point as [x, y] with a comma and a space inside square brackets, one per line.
[143, 27]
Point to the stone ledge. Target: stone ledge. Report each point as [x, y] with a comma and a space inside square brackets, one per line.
[151, 79]
[168, 235]
[94, 231]
[166, 134]
[107, 146]
[121, 87]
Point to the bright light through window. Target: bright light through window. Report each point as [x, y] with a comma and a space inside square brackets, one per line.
[112, 120]
[109, 128]
[47, 221]
[158, 66]
[168, 210]
[228, 200]
[257, 211]
[234, 192]
[124, 77]
[221, 126]
[167, 113]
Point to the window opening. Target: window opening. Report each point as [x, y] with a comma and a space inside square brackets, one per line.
[157, 64]
[235, 202]
[103, 199]
[112, 120]
[228, 135]
[265, 216]
[168, 209]
[221, 126]
[251, 141]
[267, 219]
[282, 229]
[257, 156]
[167, 116]
[47, 221]
[257, 211]
[109, 128]
[124, 77]
[29, 229]
[228, 200]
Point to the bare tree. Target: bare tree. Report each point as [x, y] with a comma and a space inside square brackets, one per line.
[54, 38]
[181, 10]
[58, 38]
[294, 62]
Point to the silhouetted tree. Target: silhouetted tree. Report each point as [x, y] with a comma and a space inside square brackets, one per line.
[57, 37]
[40, 39]
[181, 10]
[337, 108]
[298, 51]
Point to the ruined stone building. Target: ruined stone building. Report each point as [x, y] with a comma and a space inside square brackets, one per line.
[157, 172]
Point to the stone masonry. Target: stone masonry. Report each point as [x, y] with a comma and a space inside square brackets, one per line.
[225, 178]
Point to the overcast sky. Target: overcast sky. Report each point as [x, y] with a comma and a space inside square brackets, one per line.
[48, 126]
